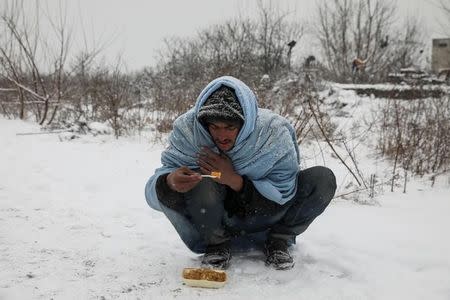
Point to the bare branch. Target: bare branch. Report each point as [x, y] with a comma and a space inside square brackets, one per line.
[28, 90]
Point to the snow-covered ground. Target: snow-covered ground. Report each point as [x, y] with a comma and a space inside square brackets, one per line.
[74, 225]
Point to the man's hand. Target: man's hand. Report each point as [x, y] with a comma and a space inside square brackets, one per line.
[183, 179]
[210, 161]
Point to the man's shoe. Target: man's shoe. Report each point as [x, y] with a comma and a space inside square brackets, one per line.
[217, 256]
[277, 254]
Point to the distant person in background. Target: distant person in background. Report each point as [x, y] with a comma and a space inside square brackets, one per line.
[358, 65]
[262, 198]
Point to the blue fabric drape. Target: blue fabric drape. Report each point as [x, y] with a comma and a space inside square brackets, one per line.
[265, 151]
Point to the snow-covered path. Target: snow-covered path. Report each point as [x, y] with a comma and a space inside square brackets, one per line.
[74, 225]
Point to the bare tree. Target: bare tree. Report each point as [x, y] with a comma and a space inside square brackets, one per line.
[117, 96]
[12, 68]
[444, 5]
[273, 34]
[29, 62]
[360, 42]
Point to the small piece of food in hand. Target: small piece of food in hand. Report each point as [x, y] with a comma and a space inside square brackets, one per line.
[205, 278]
[216, 174]
[213, 175]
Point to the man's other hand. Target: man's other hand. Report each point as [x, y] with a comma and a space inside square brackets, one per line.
[210, 161]
[183, 179]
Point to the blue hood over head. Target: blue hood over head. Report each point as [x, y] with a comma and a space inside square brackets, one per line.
[245, 95]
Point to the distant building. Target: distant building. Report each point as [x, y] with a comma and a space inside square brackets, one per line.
[440, 55]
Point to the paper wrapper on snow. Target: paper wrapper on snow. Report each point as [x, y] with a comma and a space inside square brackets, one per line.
[216, 174]
[205, 278]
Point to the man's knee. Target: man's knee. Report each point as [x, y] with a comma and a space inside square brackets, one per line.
[324, 175]
[328, 185]
[328, 177]
[321, 179]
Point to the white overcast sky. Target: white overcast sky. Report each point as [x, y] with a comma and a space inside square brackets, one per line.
[136, 28]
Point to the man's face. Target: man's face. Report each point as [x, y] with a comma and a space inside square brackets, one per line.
[224, 134]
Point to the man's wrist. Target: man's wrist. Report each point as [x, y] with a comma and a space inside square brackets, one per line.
[169, 182]
[236, 183]
[162, 186]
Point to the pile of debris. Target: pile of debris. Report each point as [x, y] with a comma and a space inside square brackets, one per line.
[413, 76]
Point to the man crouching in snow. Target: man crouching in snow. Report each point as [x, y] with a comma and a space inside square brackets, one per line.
[261, 197]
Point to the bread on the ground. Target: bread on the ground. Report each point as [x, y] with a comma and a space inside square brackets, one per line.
[203, 277]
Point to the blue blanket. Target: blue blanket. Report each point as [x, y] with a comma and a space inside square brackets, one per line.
[265, 151]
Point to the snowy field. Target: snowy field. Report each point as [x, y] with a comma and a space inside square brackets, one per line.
[74, 225]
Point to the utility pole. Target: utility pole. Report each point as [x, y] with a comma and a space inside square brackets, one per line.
[291, 45]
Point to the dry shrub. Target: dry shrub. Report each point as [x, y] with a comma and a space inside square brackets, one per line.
[416, 134]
